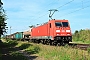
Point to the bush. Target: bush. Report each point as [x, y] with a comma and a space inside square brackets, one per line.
[82, 35]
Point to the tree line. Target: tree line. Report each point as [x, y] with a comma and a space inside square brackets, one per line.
[2, 20]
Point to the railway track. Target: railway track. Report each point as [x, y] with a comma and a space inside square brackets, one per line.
[80, 46]
[76, 45]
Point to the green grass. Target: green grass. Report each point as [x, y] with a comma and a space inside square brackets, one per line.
[33, 49]
[45, 51]
[63, 53]
[24, 46]
[88, 49]
[58, 53]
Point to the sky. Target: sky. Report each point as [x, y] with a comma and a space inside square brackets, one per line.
[23, 13]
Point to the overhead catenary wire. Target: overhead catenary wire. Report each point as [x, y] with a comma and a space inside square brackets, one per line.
[57, 8]
[69, 12]
[46, 7]
[75, 10]
[43, 14]
[65, 4]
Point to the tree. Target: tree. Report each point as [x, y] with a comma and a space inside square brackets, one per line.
[2, 20]
[76, 32]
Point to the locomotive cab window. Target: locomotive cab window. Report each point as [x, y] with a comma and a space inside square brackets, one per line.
[65, 24]
[50, 25]
[61, 24]
[58, 24]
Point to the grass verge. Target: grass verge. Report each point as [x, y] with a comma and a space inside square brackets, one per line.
[45, 51]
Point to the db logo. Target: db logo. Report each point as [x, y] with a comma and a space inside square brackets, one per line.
[63, 30]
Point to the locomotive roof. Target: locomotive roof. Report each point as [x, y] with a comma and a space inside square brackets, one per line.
[57, 20]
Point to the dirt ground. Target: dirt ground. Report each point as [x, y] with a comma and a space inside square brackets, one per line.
[5, 51]
[32, 56]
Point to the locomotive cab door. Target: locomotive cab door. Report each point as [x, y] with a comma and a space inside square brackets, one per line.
[49, 25]
[50, 31]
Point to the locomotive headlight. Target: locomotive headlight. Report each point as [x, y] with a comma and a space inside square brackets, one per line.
[58, 34]
[57, 30]
[67, 30]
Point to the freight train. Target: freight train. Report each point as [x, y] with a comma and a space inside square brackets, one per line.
[54, 32]
[19, 36]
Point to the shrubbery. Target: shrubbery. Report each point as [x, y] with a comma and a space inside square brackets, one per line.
[82, 36]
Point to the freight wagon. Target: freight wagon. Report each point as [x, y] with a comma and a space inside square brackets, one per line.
[15, 36]
[12, 36]
[19, 35]
[26, 35]
[56, 32]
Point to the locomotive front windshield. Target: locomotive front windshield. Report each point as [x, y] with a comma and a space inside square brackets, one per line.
[58, 24]
[61, 24]
[65, 24]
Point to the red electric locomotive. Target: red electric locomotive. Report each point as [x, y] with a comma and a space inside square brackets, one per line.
[53, 32]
